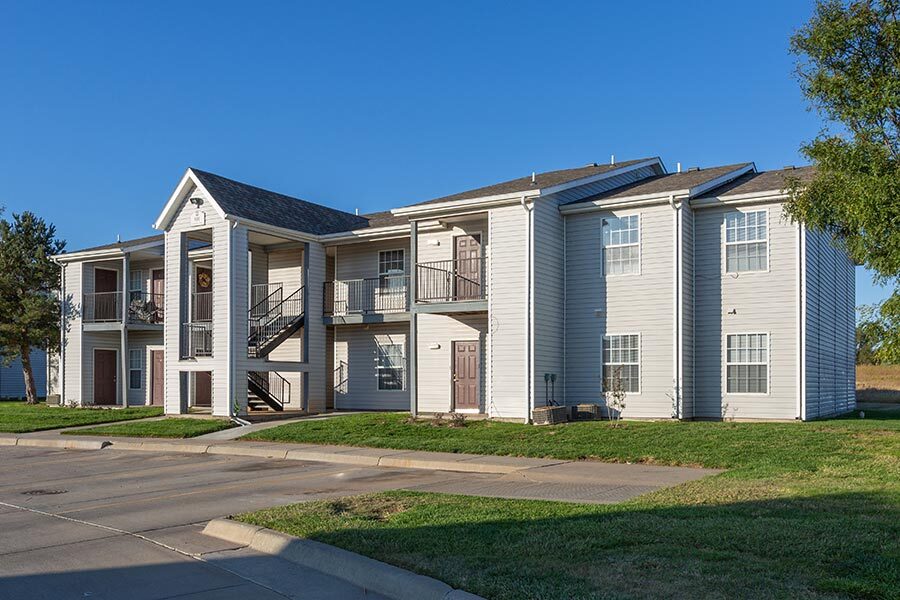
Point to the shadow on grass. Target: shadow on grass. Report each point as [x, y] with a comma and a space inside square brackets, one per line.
[828, 545]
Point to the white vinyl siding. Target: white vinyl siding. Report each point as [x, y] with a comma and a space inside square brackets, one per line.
[747, 363]
[354, 366]
[622, 361]
[621, 245]
[746, 242]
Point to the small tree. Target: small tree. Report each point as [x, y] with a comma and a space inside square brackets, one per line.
[615, 396]
[29, 300]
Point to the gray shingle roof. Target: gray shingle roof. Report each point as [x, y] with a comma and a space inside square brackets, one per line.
[385, 219]
[766, 181]
[661, 184]
[121, 245]
[542, 180]
[256, 204]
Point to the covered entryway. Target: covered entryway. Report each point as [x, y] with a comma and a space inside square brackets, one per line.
[203, 389]
[157, 377]
[105, 376]
[466, 371]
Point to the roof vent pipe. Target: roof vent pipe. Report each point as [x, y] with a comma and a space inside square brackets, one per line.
[612, 159]
[678, 167]
[356, 211]
[533, 180]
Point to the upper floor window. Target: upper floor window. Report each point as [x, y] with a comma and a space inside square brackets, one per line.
[621, 245]
[389, 366]
[622, 362]
[135, 284]
[391, 268]
[746, 242]
[747, 363]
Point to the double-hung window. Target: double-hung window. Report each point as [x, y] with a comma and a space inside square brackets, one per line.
[135, 369]
[135, 284]
[389, 363]
[746, 242]
[391, 268]
[747, 363]
[621, 245]
[622, 362]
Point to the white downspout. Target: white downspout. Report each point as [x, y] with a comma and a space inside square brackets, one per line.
[61, 369]
[529, 322]
[676, 311]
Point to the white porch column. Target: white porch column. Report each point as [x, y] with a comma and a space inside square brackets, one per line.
[314, 380]
[238, 309]
[412, 343]
[123, 354]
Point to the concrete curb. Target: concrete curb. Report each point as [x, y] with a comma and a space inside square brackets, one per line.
[53, 443]
[361, 457]
[359, 570]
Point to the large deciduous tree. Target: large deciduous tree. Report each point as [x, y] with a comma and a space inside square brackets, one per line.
[29, 300]
[848, 65]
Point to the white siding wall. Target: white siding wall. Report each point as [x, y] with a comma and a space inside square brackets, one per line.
[286, 267]
[356, 347]
[141, 340]
[508, 312]
[72, 369]
[318, 376]
[360, 261]
[549, 299]
[436, 335]
[830, 329]
[764, 302]
[623, 304]
[687, 311]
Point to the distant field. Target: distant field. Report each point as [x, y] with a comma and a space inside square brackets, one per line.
[878, 383]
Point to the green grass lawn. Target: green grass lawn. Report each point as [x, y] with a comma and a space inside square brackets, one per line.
[173, 427]
[806, 510]
[18, 417]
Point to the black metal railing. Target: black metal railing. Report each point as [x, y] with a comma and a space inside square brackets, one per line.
[341, 378]
[201, 306]
[264, 297]
[145, 307]
[272, 385]
[387, 294]
[102, 307]
[196, 340]
[265, 327]
[450, 280]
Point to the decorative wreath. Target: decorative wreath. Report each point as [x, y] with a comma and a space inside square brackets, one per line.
[203, 279]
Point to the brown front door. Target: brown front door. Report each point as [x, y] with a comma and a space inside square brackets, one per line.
[105, 376]
[465, 375]
[106, 284]
[157, 377]
[468, 267]
[158, 291]
[203, 388]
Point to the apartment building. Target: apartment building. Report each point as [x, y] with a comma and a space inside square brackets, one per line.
[689, 288]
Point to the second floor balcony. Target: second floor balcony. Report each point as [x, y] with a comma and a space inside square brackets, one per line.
[376, 295]
[143, 308]
[456, 280]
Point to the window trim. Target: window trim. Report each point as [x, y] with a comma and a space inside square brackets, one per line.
[378, 262]
[131, 274]
[378, 368]
[768, 363]
[640, 347]
[140, 369]
[726, 243]
[640, 242]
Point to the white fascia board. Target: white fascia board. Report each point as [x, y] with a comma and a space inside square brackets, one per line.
[500, 199]
[106, 253]
[739, 199]
[290, 234]
[171, 207]
[630, 201]
[379, 233]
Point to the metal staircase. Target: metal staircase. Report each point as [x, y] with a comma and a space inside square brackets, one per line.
[268, 388]
[272, 320]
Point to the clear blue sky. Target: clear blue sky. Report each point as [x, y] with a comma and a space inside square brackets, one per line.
[371, 105]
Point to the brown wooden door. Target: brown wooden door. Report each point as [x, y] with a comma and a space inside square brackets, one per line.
[106, 284]
[158, 291]
[466, 375]
[105, 376]
[157, 377]
[203, 388]
[468, 267]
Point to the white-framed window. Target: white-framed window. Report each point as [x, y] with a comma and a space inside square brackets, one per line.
[391, 268]
[389, 363]
[135, 284]
[622, 360]
[621, 245]
[135, 369]
[747, 363]
[746, 241]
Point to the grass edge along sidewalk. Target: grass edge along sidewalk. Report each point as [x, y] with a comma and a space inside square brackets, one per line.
[19, 417]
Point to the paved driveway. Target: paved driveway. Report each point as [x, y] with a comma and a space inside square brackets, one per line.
[126, 524]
